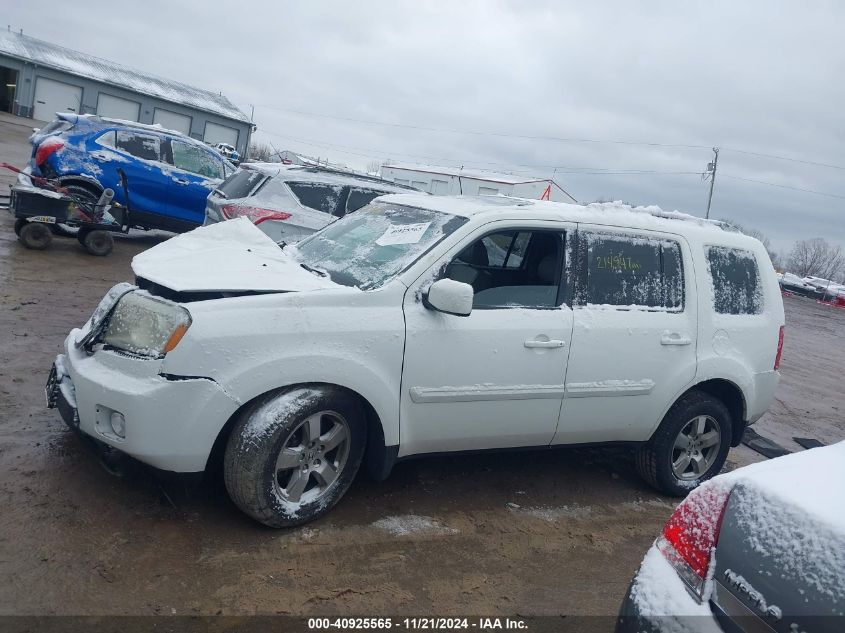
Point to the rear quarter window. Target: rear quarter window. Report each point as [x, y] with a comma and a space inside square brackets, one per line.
[240, 184]
[360, 197]
[316, 195]
[736, 280]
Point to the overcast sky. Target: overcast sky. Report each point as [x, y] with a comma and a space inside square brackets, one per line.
[762, 77]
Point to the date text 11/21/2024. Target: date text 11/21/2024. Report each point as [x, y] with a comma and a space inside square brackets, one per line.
[422, 623]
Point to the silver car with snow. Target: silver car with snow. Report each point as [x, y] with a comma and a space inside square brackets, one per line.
[759, 549]
[289, 203]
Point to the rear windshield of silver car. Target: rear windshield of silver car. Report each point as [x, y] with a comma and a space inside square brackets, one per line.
[371, 246]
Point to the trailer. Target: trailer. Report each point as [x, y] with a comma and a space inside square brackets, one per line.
[49, 209]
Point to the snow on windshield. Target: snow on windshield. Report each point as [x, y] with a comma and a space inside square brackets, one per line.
[370, 246]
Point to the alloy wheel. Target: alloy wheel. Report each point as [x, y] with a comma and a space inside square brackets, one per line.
[312, 457]
[696, 448]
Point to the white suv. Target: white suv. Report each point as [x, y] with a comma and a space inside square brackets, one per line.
[425, 324]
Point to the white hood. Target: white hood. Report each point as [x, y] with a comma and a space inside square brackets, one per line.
[231, 256]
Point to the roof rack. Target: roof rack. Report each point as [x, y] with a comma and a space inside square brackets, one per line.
[668, 215]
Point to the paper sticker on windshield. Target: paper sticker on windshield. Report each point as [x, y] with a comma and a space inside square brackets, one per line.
[403, 234]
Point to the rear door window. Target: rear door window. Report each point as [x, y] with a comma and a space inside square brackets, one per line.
[195, 160]
[140, 145]
[316, 195]
[633, 271]
[241, 184]
[736, 280]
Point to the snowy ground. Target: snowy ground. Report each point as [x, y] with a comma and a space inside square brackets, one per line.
[529, 533]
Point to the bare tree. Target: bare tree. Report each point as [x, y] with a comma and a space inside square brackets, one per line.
[259, 151]
[817, 258]
[758, 235]
[374, 167]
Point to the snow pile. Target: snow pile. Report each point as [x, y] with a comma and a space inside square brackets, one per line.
[408, 524]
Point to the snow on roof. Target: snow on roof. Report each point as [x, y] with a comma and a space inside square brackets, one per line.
[609, 213]
[46, 54]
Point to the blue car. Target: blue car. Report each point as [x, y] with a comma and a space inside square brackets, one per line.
[169, 175]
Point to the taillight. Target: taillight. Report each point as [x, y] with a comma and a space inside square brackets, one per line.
[692, 532]
[780, 348]
[256, 214]
[47, 148]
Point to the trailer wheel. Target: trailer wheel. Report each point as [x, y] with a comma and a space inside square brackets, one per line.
[19, 224]
[98, 242]
[35, 235]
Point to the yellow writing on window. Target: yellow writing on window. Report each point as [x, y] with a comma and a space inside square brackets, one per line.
[617, 261]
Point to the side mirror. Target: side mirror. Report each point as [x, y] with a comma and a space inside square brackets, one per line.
[450, 297]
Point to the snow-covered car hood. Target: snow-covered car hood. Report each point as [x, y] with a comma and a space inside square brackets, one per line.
[232, 256]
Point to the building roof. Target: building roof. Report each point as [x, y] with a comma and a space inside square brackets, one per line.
[490, 176]
[44, 53]
[483, 175]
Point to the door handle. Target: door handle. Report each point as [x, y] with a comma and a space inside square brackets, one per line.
[673, 338]
[182, 182]
[532, 343]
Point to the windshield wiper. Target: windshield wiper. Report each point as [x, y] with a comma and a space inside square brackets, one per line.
[316, 271]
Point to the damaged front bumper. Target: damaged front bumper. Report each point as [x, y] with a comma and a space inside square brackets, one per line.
[168, 422]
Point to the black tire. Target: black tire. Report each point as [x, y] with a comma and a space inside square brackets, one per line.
[654, 459]
[19, 224]
[277, 422]
[86, 193]
[97, 242]
[35, 235]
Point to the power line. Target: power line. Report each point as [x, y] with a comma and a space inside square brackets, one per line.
[480, 132]
[559, 169]
[585, 171]
[787, 158]
[774, 184]
[549, 138]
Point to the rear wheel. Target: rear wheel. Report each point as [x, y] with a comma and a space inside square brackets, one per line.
[35, 235]
[19, 224]
[293, 455]
[690, 446]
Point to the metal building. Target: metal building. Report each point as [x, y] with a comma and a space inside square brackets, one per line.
[453, 181]
[38, 79]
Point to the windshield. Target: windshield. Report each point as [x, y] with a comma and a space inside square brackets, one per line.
[374, 244]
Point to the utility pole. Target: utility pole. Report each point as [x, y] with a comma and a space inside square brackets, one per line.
[711, 174]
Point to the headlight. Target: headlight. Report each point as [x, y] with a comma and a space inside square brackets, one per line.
[144, 325]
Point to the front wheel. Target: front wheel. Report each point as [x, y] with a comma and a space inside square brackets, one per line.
[293, 455]
[689, 447]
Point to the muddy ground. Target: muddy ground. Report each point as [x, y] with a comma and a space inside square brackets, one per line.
[530, 533]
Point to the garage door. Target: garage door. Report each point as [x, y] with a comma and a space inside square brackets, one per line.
[172, 120]
[55, 96]
[118, 108]
[216, 133]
